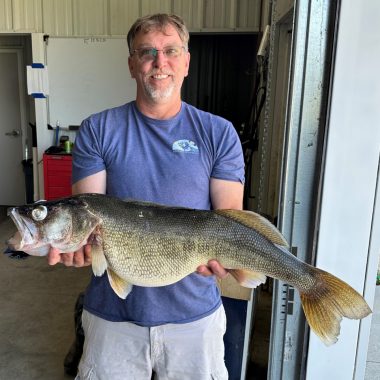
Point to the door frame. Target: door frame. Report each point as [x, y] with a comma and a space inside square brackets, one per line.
[22, 94]
[304, 132]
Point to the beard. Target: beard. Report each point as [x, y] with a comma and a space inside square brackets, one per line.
[155, 93]
[159, 94]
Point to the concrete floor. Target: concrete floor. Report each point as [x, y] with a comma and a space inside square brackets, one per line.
[37, 323]
[373, 357]
[36, 318]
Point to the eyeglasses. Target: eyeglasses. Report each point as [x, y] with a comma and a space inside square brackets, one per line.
[148, 54]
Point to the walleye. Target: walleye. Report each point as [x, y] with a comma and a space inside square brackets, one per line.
[139, 243]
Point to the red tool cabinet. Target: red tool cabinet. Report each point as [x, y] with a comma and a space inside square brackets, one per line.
[57, 175]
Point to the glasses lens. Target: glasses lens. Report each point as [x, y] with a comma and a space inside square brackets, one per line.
[147, 54]
[172, 51]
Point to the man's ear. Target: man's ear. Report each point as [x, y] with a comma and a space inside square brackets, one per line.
[131, 67]
[187, 64]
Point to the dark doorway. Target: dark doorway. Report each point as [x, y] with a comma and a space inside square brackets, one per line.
[222, 74]
[222, 81]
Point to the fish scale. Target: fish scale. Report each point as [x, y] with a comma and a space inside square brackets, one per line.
[145, 244]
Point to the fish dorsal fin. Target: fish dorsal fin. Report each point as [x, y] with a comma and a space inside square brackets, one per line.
[253, 220]
[153, 204]
[143, 203]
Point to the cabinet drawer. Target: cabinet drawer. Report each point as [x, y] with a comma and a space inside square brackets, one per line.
[57, 192]
[59, 180]
[59, 166]
[57, 176]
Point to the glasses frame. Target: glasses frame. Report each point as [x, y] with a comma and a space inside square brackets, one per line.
[155, 54]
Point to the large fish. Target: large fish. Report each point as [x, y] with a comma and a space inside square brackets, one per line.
[152, 245]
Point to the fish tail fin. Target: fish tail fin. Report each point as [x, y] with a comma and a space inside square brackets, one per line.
[328, 301]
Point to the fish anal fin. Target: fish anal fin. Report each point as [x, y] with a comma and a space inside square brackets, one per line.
[121, 287]
[327, 302]
[253, 220]
[99, 261]
[248, 279]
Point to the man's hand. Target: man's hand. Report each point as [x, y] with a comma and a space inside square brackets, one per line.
[80, 258]
[213, 267]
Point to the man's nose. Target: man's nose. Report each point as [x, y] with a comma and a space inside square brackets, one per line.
[160, 59]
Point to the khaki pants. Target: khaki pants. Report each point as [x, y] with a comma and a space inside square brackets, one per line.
[125, 351]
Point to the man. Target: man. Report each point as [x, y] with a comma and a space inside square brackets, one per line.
[163, 150]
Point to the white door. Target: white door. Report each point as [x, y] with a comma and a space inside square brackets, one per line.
[12, 127]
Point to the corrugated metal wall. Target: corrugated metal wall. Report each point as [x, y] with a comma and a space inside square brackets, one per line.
[114, 17]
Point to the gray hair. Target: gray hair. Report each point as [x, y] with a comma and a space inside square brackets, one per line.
[159, 21]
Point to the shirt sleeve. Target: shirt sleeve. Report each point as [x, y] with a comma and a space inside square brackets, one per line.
[87, 154]
[229, 160]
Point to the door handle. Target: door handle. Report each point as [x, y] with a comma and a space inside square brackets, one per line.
[14, 133]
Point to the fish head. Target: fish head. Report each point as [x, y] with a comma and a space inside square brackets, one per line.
[65, 224]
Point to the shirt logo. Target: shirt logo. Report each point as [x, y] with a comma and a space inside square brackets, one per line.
[185, 146]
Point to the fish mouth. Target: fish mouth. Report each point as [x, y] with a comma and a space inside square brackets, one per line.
[25, 228]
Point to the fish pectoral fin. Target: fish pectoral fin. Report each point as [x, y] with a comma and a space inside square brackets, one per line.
[121, 287]
[99, 262]
[257, 222]
[248, 279]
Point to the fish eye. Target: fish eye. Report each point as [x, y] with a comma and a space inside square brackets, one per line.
[39, 213]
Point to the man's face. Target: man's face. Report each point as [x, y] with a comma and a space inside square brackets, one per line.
[159, 79]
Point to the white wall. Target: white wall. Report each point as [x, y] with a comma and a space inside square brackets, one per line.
[345, 244]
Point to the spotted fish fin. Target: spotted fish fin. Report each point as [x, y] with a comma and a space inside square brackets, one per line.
[99, 262]
[248, 279]
[121, 287]
[253, 220]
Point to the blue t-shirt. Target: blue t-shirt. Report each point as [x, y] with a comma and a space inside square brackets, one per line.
[164, 161]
